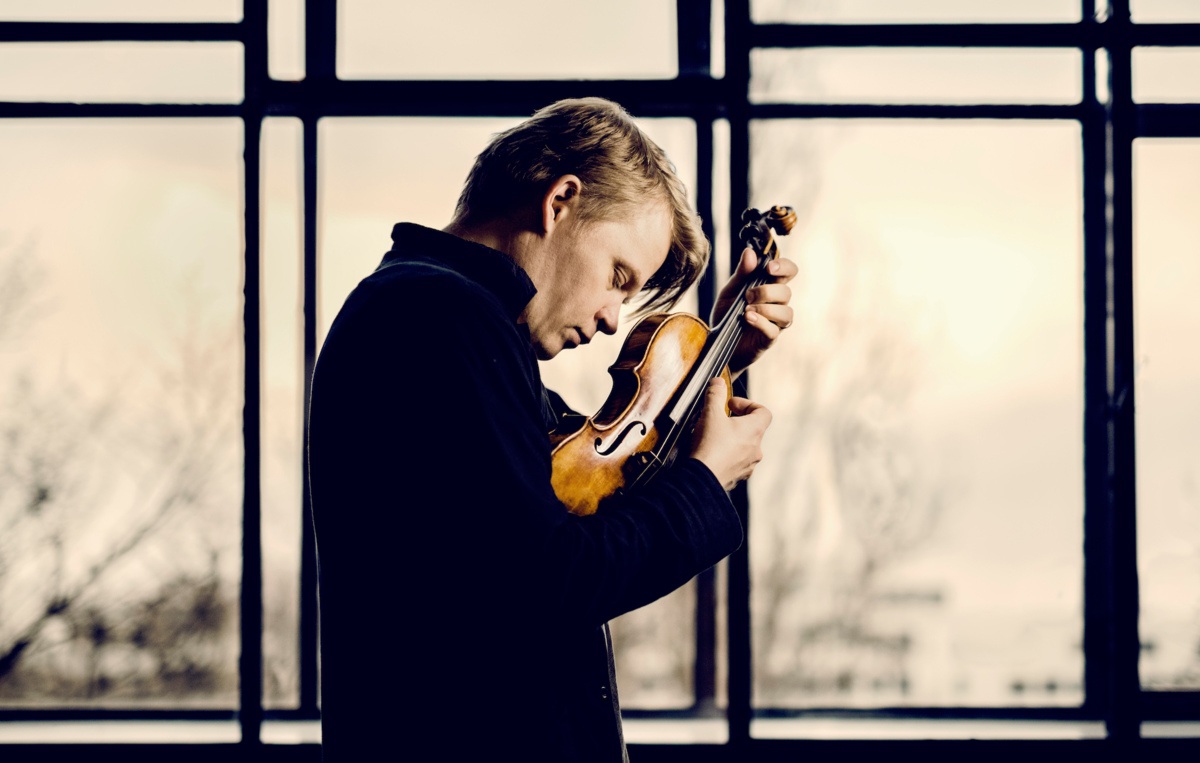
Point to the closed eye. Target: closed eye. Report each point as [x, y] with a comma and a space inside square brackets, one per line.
[625, 280]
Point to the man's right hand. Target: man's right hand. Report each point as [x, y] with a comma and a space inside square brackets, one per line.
[730, 446]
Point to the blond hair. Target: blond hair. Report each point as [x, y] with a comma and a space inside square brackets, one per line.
[620, 169]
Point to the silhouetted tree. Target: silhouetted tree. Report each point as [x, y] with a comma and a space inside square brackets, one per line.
[94, 481]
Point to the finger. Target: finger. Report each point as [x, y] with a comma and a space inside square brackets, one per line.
[783, 269]
[763, 324]
[772, 293]
[740, 406]
[760, 415]
[755, 415]
[781, 315]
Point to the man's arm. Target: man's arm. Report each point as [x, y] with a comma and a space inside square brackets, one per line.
[438, 442]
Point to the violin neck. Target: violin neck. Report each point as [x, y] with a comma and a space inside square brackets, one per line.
[678, 418]
[722, 341]
[732, 320]
[728, 332]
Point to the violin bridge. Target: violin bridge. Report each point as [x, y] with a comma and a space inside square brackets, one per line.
[639, 465]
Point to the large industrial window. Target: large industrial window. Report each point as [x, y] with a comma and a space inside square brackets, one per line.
[980, 511]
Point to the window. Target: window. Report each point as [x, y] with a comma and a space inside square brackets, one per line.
[983, 481]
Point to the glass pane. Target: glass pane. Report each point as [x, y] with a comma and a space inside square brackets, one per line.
[126, 10]
[376, 172]
[1166, 75]
[465, 39]
[722, 214]
[121, 390]
[283, 407]
[916, 536]
[285, 39]
[717, 39]
[122, 72]
[1167, 188]
[912, 11]
[1164, 11]
[915, 75]
[655, 652]
[894, 729]
[1103, 75]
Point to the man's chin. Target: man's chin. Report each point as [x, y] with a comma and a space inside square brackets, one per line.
[549, 351]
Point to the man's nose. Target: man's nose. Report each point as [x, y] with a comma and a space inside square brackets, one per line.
[607, 319]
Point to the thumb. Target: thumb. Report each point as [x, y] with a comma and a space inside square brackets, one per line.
[745, 266]
[716, 393]
[748, 262]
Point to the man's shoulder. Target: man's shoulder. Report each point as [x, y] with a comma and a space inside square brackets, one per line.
[421, 289]
[428, 279]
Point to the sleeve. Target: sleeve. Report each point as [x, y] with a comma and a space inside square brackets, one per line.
[461, 455]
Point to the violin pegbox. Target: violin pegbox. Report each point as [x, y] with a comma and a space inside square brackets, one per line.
[757, 227]
[754, 233]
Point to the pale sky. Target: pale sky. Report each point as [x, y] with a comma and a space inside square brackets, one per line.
[962, 241]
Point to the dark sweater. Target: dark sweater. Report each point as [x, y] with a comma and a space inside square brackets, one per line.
[462, 607]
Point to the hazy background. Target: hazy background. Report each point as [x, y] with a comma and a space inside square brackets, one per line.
[917, 524]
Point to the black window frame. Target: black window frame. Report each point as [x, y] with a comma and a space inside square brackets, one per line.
[1113, 694]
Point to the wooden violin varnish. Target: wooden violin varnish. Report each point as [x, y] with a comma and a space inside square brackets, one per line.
[659, 381]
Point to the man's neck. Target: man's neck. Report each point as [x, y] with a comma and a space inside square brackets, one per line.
[494, 235]
[500, 236]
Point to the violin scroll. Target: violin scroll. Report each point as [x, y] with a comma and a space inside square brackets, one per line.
[757, 226]
[781, 219]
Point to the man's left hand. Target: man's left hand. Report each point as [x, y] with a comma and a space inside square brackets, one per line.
[767, 311]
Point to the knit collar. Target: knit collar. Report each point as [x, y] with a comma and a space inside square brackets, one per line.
[491, 269]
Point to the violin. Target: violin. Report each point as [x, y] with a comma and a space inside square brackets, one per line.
[659, 381]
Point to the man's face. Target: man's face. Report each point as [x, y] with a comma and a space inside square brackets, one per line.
[587, 270]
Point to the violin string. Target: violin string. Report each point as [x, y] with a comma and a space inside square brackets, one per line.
[715, 359]
[728, 332]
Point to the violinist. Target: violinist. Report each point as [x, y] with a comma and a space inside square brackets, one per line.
[462, 607]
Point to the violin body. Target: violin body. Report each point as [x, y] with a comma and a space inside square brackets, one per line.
[598, 460]
[659, 383]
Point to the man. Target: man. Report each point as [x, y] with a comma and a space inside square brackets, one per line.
[462, 607]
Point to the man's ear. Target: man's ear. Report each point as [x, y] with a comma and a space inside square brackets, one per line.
[560, 201]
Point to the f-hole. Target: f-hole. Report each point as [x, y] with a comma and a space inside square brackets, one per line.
[617, 442]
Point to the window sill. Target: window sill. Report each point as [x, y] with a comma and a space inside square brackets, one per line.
[120, 732]
[916, 728]
[639, 731]
[154, 732]
[675, 730]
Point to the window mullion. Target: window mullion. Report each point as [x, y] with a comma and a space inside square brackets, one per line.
[320, 40]
[250, 663]
[1123, 714]
[704, 684]
[309, 700]
[738, 30]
